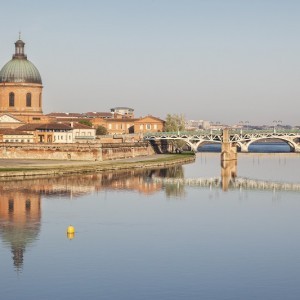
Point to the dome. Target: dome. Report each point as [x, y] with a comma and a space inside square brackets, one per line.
[19, 69]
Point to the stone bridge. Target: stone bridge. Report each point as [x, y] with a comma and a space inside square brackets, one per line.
[242, 139]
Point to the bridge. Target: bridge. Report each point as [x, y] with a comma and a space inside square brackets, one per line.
[234, 183]
[241, 138]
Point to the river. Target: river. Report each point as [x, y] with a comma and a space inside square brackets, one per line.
[139, 237]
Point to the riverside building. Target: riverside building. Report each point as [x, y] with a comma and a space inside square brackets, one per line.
[21, 90]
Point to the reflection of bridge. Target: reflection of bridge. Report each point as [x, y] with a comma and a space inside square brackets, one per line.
[243, 139]
[234, 183]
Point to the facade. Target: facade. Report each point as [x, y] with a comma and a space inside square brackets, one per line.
[60, 133]
[15, 136]
[20, 85]
[10, 121]
[82, 133]
[130, 125]
[149, 124]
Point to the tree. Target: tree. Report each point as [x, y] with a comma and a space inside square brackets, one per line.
[101, 130]
[86, 122]
[174, 122]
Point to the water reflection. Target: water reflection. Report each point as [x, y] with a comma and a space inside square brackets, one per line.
[228, 173]
[20, 202]
[20, 216]
[75, 186]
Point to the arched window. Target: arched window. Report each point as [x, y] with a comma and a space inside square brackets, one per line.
[40, 100]
[28, 99]
[11, 99]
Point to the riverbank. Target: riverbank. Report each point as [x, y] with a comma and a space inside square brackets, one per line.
[24, 168]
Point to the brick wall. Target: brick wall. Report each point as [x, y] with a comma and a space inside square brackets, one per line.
[74, 151]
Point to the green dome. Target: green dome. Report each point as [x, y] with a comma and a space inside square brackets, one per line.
[20, 70]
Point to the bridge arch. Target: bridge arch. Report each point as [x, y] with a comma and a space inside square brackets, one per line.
[289, 141]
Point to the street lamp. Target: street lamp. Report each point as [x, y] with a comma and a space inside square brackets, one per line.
[241, 122]
[247, 123]
[276, 124]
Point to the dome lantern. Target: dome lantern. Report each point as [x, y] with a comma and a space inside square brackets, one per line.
[19, 50]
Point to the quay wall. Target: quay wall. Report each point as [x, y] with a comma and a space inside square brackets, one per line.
[91, 152]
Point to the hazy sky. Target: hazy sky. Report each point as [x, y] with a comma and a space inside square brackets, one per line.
[219, 60]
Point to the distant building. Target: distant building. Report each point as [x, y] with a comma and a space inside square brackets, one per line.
[126, 112]
[197, 124]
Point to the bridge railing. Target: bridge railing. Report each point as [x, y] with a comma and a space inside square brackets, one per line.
[219, 132]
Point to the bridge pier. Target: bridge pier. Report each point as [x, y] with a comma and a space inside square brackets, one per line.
[244, 148]
[297, 149]
[228, 173]
[228, 150]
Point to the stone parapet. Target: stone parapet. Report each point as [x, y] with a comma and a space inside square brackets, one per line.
[91, 152]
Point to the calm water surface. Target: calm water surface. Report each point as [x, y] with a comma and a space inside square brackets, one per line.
[137, 238]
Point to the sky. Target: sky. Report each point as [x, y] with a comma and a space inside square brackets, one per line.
[226, 61]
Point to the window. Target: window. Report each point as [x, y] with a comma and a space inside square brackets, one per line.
[27, 204]
[40, 100]
[109, 126]
[28, 99]
[148, 126]
[10, 205]
[155, 126]
[141, 127]
[11, 99]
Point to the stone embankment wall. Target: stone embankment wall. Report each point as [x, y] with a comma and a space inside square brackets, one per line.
[162, 146]
[93, 152]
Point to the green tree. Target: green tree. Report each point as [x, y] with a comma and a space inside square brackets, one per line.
[101, 130]
[174, 122]
[86, 122]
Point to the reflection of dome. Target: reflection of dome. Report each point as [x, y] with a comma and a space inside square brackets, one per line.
[19, 222]
[18, 237]
[19, 69]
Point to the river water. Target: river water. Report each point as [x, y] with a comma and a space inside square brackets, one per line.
[139, 237]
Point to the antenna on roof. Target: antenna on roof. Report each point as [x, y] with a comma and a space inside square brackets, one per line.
[19, 35]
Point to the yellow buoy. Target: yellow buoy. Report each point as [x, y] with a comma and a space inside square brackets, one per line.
[70, 230]
[70, 236]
